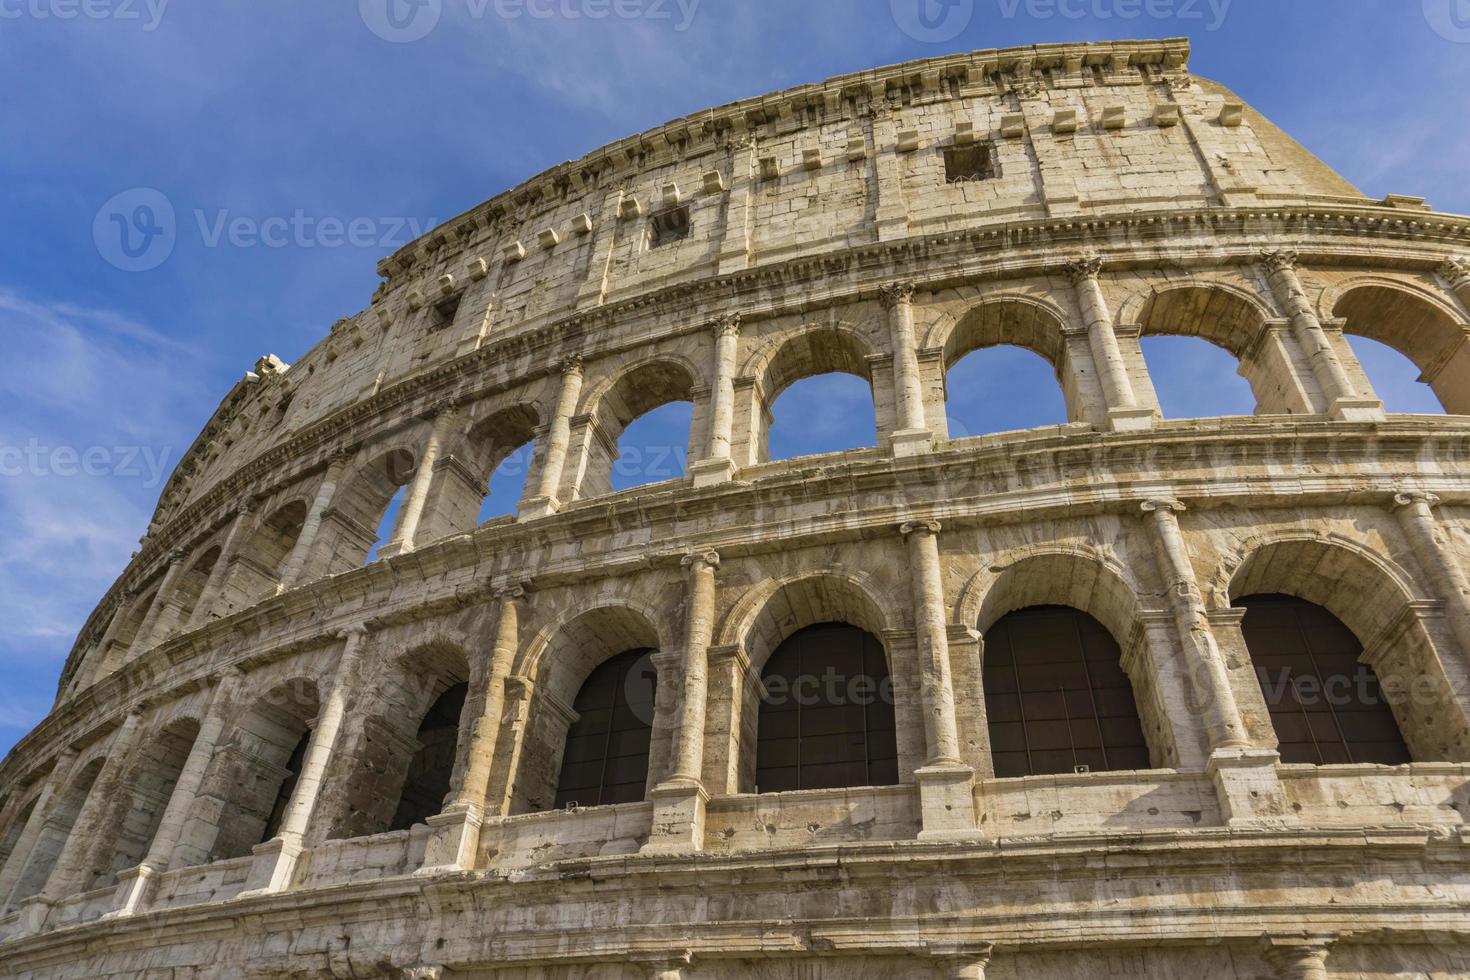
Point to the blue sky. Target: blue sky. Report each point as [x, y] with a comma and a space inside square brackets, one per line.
[261, 109]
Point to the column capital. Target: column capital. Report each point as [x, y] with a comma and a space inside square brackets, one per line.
[697, 560]
[1278, 260]
[250, 505]
[1412, 498]
[896, 293]
[515, 592]
[1455, 269]
[1155, 504]
[571, 366]
[177, 555]
[442, 412]
[919, 527]
[727, 325]
[358, 630]
[343, 454]
[1080, 270]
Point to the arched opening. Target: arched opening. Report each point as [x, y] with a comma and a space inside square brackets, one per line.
[607, 747]
[817, 397]
[128, 633]
[1418, 329]
[13, 830]
[641, 429]
[191, 585]
[551, 770]
[826, 717]
[1002, 362]
[1395, 379]
[386, 524]
[501, 448]
[257, 571]
[1195, 341]
[151, 786]
[1056, 697]
[1195, 379]
[366, 510]
[432, 767]
[1326, 705]
[251, 780]
[55, 830]
[399, 765]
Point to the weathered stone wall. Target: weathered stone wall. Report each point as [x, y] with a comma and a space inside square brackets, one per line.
[250, 678]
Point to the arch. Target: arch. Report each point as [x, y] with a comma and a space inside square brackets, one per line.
[398, 765]
[1226, 316]
[557, 664]
[150, 785]
[1377, 602]
[806, 352]
[55, 830]
[252, 776]
[1020, 321]
[362, 503]
[493, 440]
[617, 402]
[1420, 327]
[989, 334]
[1057, 699]
[608, 745]
[190, 588]
[17, 825]
[1326, 706]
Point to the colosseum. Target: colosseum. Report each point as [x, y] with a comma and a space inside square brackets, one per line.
[1124, 697]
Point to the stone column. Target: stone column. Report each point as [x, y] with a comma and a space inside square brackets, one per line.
[1456, 272]
[1244, 776]
[336, 469]
[718, 465]
[455, 835]
[135, 886]
[558, 438]
[275, 860]
[406, 528]
[1305, 960]
[670, 967]
[153, 622]
[87, 845]
[679, 803]
[969, 964]
[1415, 511]
[235, 539]
[1344, 402]
[20, 854]
[1124, 413]
[912, 435]
[946, 784]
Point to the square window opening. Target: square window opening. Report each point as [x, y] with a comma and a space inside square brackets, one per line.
[966, 163]
[444, 312]
[668, 226]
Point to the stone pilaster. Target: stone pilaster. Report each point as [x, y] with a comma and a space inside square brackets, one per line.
[455, 833]
[718, 465]
[678, 818]
[406, 529]
[1343, 400]
[276, 859]
[1456, 272]
[336, 468]
[1124, 413]
[558, 437]
[1298, 959]
[155, 624]
[946, 784]
[240, 530]
[912, 435]
[20, 854]
[1415, 512]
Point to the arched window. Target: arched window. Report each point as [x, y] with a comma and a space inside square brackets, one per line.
[1417, 328]
[151, 786]
[1194, 378]
[1325, 704]
[606, 755]
[13, 830]
[826, 720]
[191, 586]
[432, 768]
[498, 450]
[507, 484]
[369, 499]
[387, 524]
[828, 413]
[1002, 389]
[55, 830]
[1056, 697]
[654, 447]
[1395, 379]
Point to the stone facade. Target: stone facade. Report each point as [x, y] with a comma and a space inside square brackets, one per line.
[248, 672]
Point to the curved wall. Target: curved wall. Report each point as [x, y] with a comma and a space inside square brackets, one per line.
[249, 678]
